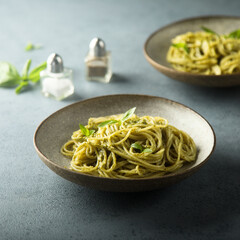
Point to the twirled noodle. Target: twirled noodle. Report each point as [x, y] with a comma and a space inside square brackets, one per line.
[109, 151]
[205, 53]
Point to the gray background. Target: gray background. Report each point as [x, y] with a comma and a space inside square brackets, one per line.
[35, 203]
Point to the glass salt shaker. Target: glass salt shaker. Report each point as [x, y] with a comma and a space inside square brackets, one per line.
[98, 62]
[56, 80]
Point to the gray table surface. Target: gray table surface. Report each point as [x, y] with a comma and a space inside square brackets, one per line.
[35, 203]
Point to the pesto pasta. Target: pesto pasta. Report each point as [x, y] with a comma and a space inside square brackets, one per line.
[129, 146]
[206, 52]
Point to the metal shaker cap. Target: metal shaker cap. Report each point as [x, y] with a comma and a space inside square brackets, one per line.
[55, 63]
[97, 48]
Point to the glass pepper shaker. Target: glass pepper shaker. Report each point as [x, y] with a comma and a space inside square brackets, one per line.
[55, 79]
[98, 62]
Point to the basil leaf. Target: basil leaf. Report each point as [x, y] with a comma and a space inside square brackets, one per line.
[128, 114]
[26, 69]
[208, 30]
[234, 34]
[125, 117]
[140, 147]
[181, 45]
[103, 124]
[19, 88]
[137, 146]
[34, 75]
[91, 132]
[9, 76]
[147, 150]
[86, 132]
[30, 46]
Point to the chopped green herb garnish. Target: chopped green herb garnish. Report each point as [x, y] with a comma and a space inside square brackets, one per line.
[86, 132]
[208, 30]
[234, 34]
[181, 45]
[125, 117]
[128, 114]
[137, 146]
[147, 150]
[141, 148]
[103, 124]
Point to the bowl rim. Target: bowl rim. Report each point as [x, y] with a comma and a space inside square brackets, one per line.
[172, 70]
[167, 176]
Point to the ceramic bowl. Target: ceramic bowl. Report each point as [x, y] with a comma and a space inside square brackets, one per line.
[158, 43]
[54, 131]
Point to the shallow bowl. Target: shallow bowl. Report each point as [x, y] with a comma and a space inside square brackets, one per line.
[54, 131]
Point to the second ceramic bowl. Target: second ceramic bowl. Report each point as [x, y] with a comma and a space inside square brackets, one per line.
[158, 43]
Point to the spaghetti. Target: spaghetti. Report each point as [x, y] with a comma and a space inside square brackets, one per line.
[206, 53]
[128, 146]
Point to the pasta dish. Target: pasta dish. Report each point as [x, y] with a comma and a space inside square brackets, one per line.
[206, 52]
[129, 146]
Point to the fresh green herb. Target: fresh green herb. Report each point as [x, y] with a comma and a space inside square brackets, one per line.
[140, 148]
[208, 30]
[33, 77]
[181, 45]
[125, 117]
[26, 69]
[86, 132]
[128, 114]
[147, 150]
[30, 46]
[234, 34]
[137, 146]
[22, 84]
[103, 124]
[9, 76]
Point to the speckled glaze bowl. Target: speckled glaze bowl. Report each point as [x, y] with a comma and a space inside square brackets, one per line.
[54, 131]
[158, 43]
